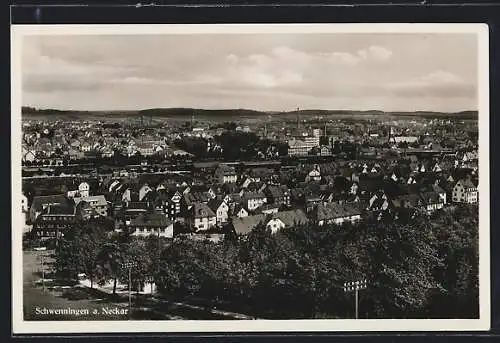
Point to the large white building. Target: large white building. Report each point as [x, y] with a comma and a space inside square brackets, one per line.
[150, 224]
[302, 146]
[226, 174]
[465, 192]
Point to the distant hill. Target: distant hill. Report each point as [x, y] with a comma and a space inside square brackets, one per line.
[25, 110]
[168, 112]
[313, 112]
[188, 112]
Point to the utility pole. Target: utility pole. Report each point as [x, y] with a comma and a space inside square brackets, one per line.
[355, 286]
[41, 250]
[129, 265]
[159, 259]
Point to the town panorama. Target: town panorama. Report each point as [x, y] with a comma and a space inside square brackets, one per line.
[219, 176]
[244, 214]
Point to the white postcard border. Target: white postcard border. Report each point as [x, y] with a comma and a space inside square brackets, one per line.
[63, 327]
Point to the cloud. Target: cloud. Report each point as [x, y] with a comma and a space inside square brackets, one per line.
[284, 66]
[345, 58]
[228, 71]
[376, 53]
[46, 65]
[46, 85]
[278, 67]
[435, 84]
[48, 74]
[272, 80]
[370, 54]
[441, 76]
[232, 58]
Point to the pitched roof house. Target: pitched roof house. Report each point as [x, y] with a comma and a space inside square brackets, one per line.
[243, 226]
[334, 213]
[201, 217]
[40, 203]
[151, 224]
[220, 208]
[286, 219]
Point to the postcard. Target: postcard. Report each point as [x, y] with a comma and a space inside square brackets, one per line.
[250, 178]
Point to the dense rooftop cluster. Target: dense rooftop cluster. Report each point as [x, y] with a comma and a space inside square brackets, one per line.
[330, 171]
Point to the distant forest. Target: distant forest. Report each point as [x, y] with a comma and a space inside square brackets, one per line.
[188, 112]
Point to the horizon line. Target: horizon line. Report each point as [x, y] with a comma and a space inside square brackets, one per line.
[243, 108]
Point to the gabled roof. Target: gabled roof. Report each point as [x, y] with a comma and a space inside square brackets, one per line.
[199, 188]
[150, 196]
[260, 172]
[433, 188]
[316, 196]
[291, 218]
[39, 201]
[201, 210]
[99, 199]
[225, 170]
[406, 200]
[334, 210]
[413, 158]
[163, 194]
[214, 204]
[150, 219]
[254, 195]
[266, 207]
[193, 197]
[135, 205]
[400, 170]
[377, 203]
[467, 183]
[430, 197]
[297, 192]
[370, 184]
[255, 186]
[243, 226]
[235, 197]
[67, 208]
[229, 188]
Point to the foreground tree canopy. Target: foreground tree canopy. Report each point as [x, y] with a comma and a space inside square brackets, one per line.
[415, 267]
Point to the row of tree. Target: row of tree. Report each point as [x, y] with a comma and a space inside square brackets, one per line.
[103, 256]
[415, 268]
[234, 145]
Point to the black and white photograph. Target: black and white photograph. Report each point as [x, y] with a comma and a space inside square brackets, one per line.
[321, 177]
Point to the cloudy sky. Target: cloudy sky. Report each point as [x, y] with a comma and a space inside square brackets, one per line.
[256, 71]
